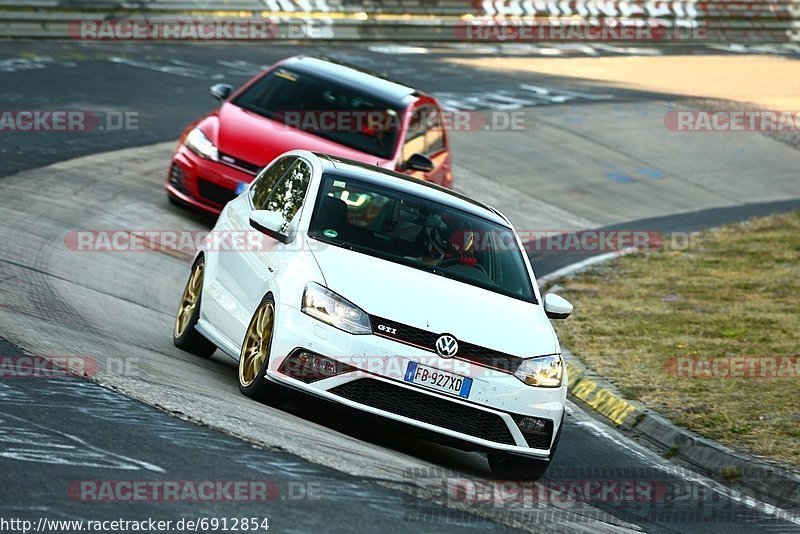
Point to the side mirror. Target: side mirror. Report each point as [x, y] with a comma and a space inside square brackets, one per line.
[556, 307]
[419, 162]
[221, 91]
[270, 223]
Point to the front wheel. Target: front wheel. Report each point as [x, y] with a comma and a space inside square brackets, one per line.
[513, 467]
[184, 335]
[254, 357]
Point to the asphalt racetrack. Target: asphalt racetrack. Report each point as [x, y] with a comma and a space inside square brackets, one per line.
[591, 156]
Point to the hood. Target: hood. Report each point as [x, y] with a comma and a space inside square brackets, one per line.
[259, 140]
[437, 304]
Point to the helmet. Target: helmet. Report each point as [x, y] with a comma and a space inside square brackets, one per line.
[453, 236]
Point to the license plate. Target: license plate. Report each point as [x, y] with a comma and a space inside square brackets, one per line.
[438, 380]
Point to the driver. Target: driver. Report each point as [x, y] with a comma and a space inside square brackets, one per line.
[453, 239]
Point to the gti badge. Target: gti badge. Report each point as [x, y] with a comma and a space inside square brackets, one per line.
[446, 346]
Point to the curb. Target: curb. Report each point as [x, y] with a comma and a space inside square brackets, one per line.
[764, 479]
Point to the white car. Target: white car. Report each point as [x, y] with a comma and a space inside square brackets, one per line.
[386, 294]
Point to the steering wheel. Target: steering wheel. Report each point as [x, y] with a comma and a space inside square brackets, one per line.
[449, 262]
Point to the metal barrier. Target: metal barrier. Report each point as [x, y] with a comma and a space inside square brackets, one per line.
[426, 20]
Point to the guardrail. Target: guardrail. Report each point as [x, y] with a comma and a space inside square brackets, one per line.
[423, 20]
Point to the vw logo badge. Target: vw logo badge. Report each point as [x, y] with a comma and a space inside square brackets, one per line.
[446, 346]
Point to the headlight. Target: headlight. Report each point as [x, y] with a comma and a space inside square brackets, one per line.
[543, 372]
[323, 304]
[198, 143]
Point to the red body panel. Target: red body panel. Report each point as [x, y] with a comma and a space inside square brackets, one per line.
[205, 184]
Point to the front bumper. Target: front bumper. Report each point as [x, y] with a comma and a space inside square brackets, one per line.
[487, 420]
[202, 184]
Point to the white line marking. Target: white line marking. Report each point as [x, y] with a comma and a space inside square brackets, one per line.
[47, 450]
[605, 432]
[575, 267]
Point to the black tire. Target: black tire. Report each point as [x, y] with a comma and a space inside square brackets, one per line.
[184, 334]
[255, 384]
[175, 201]
[513, 467]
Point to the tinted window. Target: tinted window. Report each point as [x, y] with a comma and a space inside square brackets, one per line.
[342, 114]
[434, 133]
[420, 233]
[287, 196]
[425, 133]
[267, 180]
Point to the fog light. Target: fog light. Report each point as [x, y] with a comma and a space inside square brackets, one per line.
[309, 366]
[176, 177]
[532, 424]
[537, 432]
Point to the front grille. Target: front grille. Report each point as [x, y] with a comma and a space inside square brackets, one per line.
[240, 164]
[423, 339]
[215, 193]
[426, 408]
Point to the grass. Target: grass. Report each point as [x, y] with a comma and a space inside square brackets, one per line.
[737, 294]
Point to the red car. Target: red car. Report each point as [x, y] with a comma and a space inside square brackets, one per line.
[314, 104]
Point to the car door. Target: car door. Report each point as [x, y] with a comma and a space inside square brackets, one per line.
[224, 304]
[252, 272]
[426, 135]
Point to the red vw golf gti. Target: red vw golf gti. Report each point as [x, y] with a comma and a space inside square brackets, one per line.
[314, 104]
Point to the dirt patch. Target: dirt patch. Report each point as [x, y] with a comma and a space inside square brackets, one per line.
[767, 81]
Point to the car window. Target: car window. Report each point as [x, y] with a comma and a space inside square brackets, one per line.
[346, 115]
[434, 133]
[425, 133]
[267, 180]
[288, 194]
[403, 228]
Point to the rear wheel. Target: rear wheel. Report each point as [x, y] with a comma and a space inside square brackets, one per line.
[184, 335]
[254, 357]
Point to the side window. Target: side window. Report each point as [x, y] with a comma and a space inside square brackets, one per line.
[434, 134]
[425, 133]
[415, 137]
[288, 194]
[264, 183]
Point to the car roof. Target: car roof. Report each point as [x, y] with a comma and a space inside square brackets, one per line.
[408, 184]
[395, 93]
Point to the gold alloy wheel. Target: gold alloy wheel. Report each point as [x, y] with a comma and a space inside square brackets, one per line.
[191, 296]
[256, 344]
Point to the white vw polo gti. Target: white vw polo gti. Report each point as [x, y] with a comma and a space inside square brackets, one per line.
[385, 294]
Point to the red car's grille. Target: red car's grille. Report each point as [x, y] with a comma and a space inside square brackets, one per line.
[214, 193]
[240, 164]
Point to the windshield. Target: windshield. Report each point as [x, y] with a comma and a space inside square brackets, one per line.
[342, 114]
[420, 233]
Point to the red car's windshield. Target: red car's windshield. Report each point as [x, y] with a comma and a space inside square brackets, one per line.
[340, 113]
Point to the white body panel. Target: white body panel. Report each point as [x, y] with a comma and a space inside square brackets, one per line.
[236, 282]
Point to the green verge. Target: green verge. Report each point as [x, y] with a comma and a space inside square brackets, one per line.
[645, 321]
